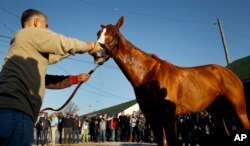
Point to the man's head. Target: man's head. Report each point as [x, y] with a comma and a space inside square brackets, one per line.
[34, 18]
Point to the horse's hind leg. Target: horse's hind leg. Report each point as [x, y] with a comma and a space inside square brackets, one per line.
[239, 106]
[244, 120]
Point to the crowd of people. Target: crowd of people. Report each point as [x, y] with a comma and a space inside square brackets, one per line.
[192, 129]
[68, 129]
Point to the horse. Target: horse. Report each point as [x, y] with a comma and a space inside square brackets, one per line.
[164, 90]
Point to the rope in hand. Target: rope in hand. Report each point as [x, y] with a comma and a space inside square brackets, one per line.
[72, 94]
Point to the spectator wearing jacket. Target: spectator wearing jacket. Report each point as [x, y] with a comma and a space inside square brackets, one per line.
[68, 124]
[76, 129]
[54, 124]
[102, 129]
[44, 124]
[133, 127]
[85, 129]
[114, 125]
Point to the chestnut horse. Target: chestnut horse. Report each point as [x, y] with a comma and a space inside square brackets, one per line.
[164, 90]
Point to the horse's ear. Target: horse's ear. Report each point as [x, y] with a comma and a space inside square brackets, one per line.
[120, 22]
[102, 26]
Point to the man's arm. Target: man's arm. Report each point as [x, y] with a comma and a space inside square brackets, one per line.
[60, 82]
[57, 46]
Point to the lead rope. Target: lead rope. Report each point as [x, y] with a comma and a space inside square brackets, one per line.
[72, 94]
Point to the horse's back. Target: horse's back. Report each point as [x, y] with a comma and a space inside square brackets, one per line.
[199, 86]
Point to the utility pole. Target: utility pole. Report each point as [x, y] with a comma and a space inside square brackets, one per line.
[223, 41]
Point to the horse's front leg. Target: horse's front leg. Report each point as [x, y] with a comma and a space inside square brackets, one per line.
[156, 124]
[169, 123]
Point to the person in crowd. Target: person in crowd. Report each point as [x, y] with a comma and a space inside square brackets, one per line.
[76, 129]
[38, 128]
[122, 125]
[114, 125]
[60, 127]
[184, 129]
[92, 129]
[141, 127]
[53, 124]
[108, 129]
[45, 124]
[22, 77]
[97, 128]
[85, 129]
[133, 127]
[127, 127]
[102, 125]
[68, 123]
[207, 127]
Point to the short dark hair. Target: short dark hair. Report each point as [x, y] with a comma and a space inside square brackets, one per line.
[27, 14]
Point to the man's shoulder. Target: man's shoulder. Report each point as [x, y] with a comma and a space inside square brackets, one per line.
[35, 30]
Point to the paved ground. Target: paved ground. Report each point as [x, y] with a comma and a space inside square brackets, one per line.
[108, 144]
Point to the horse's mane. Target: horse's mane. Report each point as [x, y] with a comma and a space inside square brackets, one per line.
[158, 59]
[155, 57]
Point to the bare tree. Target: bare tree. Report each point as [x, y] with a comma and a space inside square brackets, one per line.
[71, 108]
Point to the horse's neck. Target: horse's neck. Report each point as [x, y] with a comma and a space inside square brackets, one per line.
[133, 62]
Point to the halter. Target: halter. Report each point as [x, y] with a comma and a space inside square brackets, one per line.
[72, 94]
[116, 38]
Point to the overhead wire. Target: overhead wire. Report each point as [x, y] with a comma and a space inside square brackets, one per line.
[6, 26]
[237, 33]
[4, 36]
[145, 14]
[9, 12]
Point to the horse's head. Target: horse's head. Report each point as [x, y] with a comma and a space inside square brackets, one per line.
[108, 38]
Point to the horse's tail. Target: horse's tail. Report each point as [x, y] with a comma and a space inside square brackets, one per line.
[225, 125]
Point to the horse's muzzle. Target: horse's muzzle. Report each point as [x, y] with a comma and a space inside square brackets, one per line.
[100, 56]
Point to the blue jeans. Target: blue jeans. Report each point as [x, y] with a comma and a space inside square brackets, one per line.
[44, 136]
[16, 128]
[103, 135]
[141, 135]
[75, 134]
[113, 134]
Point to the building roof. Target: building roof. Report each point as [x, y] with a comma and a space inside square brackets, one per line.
[241, 68]
[114, 110]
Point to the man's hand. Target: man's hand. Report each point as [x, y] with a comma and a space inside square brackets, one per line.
[97, 47]
[83, 77]
[91, 45]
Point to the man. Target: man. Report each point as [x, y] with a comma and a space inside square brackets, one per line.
[38, 127]
[45, 125]
[85, 130]
[60, 126]
[122, 125]
[22, 79]
[53, 124]
[68, 124]
[76, 129]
